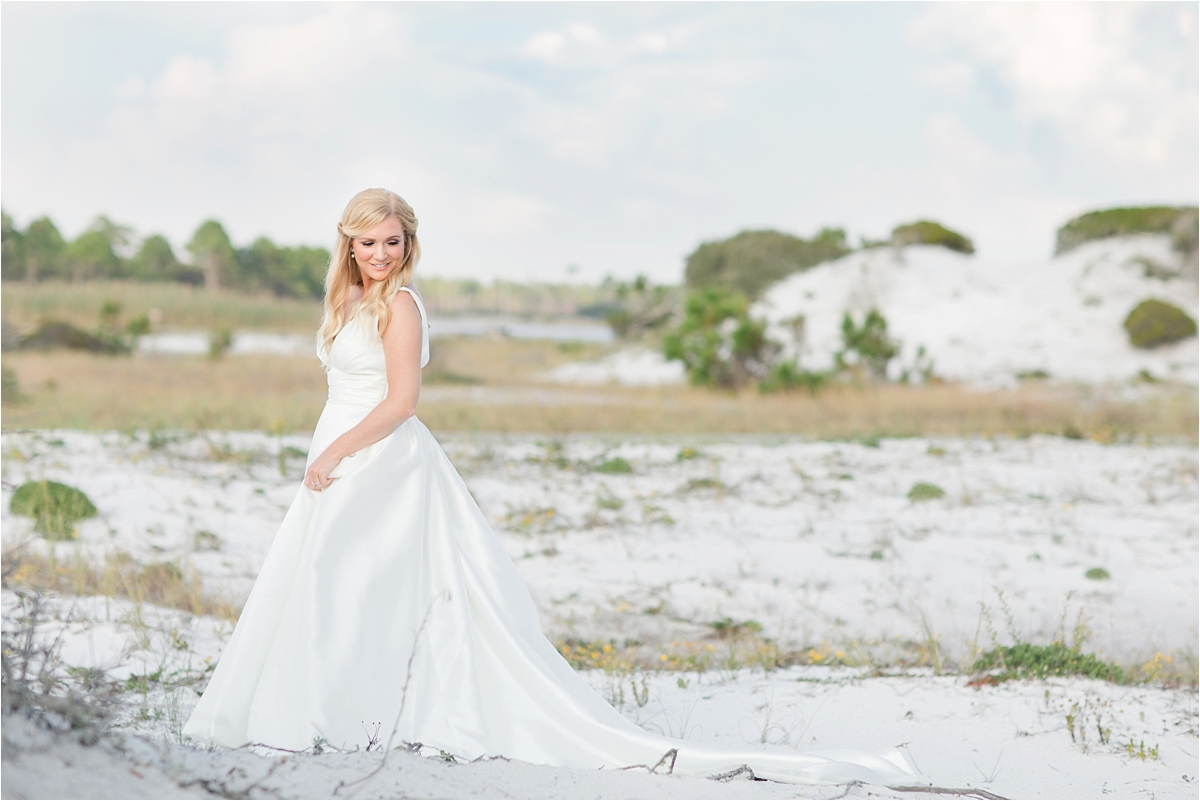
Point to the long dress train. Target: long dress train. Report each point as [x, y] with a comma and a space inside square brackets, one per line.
[389, 596]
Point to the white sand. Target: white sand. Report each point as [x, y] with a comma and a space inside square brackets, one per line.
[631, 367]
[1012, 739]
[785, 538]
[985, 321]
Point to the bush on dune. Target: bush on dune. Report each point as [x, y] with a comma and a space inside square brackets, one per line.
[54, 507]
[927, 232]
[1156, 322]
[718, 343]
[868, 345]
[721, 346]
[751, 261]
[1179, 221]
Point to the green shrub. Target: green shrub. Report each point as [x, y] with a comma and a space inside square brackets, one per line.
[55, 507]
[923, 491]
[927, 232]
[1026, 661]
[1155, 322]
[718, 343]
[787, 376]
[1097, 574]
[1179, 221]
[751, 261]
[53, 334]
[614, 465]
[727, 629]
[219, 343]
[138, 326]
[867, 344]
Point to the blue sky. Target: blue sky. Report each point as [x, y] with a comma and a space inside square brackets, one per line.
[551, 141]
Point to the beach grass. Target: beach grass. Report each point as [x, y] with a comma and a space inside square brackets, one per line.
[119, 576]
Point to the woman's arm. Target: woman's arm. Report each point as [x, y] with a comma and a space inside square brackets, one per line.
[402, 351]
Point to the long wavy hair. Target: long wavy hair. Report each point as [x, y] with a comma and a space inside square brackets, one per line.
[366, 210]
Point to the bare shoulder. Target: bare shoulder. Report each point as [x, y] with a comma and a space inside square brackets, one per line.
[405, 316]
[404, 304]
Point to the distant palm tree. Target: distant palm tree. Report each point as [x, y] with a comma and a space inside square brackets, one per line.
[214, 254]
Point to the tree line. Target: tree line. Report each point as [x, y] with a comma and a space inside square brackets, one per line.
[106, 251]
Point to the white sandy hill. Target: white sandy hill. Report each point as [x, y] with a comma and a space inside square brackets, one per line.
[633, 367]
[985, 321]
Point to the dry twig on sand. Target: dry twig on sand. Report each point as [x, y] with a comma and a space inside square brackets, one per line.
[673, 754]
[403, 695]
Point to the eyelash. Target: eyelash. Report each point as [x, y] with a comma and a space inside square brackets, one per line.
[368, 243]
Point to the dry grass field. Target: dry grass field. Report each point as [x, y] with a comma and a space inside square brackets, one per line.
[491, 384]
[488, 385]
[168, 305]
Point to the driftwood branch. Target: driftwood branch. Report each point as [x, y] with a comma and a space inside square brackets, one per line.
[724, 777]
[673, 754]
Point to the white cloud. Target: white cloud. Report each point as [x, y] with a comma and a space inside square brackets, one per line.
[637, 109]
[955, 77]
[581, 45]
[575, 44]
[132, 88]
[505, 214]
[1099, 74]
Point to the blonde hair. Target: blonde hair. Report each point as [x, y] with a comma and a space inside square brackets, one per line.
[366, 210]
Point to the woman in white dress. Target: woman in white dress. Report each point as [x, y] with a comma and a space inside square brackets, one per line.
[386, 598]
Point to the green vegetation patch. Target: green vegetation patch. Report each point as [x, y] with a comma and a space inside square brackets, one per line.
[55, 507]
[1027, 661]
[751, 261]
[54, 334]
[1155, 322]
[727, 629]
[786, 376]
[717, 341]
[923, 491]
[614, 465]
[927, 232]
[868, 344]
[1097, 574]
[1179, 221]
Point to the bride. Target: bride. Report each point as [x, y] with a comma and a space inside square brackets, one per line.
[386, 598]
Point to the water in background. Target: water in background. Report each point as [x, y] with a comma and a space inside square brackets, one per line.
[197, 342]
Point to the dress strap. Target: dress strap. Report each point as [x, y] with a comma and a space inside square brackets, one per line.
[424, 324]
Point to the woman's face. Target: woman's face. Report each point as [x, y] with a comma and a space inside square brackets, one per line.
[379, 251]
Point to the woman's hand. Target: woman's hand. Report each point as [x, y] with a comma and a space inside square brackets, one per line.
[317, 478]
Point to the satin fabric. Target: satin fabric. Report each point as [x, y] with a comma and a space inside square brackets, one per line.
[388, 598]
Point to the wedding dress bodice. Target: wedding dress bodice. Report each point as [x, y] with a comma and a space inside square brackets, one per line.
[355, 364]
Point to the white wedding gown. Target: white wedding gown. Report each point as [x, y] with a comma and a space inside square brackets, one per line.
[323, 645]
